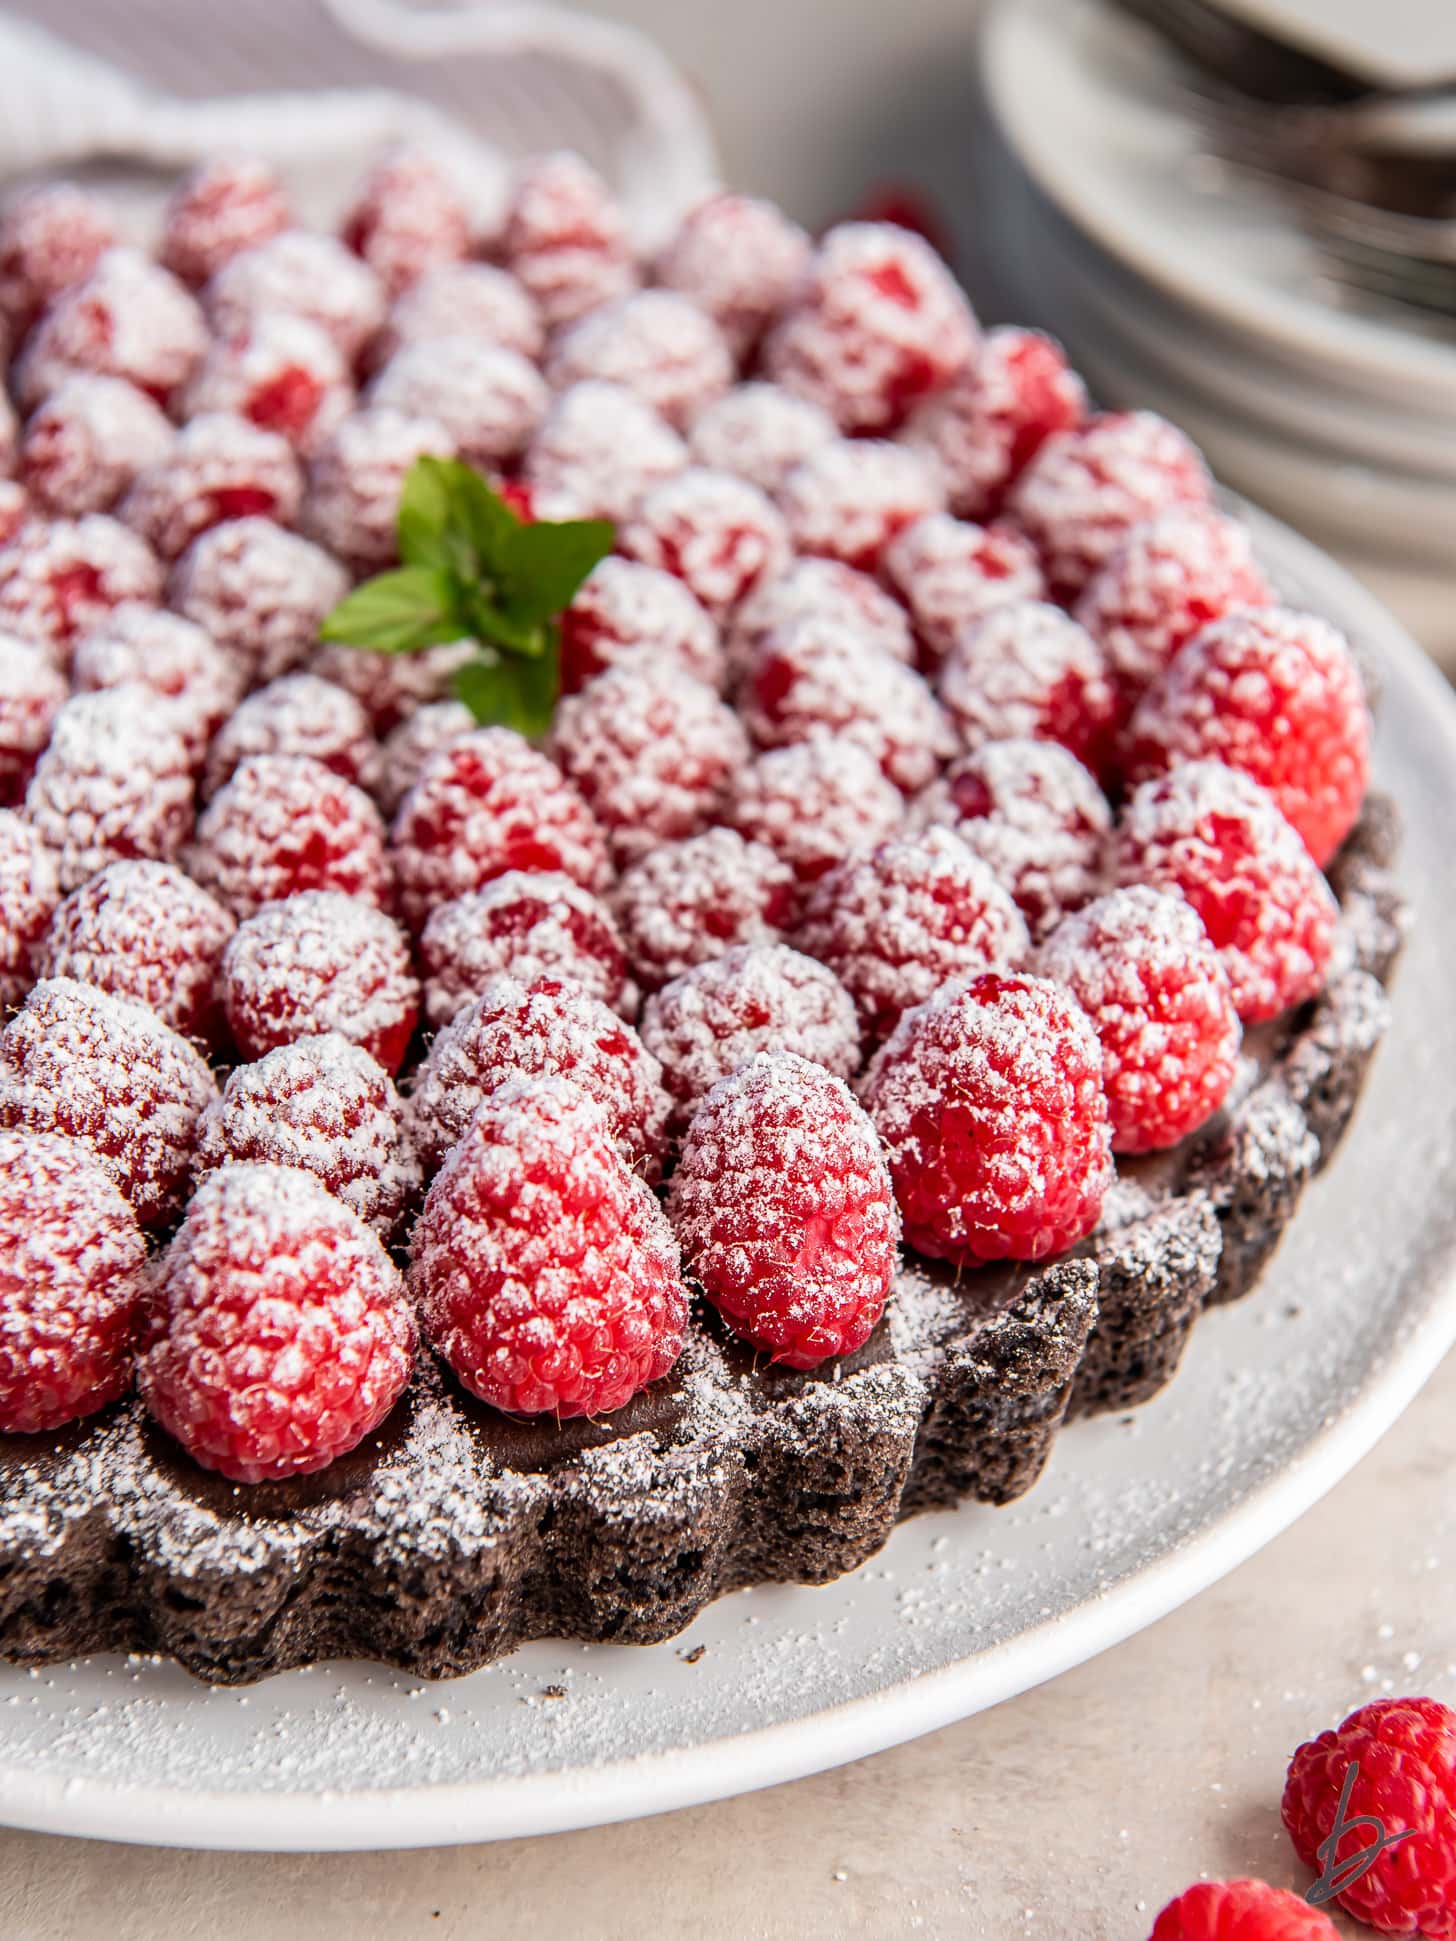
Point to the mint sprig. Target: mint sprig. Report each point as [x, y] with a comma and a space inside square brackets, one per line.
[473, 569]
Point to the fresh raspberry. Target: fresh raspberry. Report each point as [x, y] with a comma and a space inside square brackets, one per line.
[551, 1028]
[1405, 1749]
[879, 324]
[485, 804]
[115, 782]
[173, 657]
[129, 319]
[814, 804]
[848, 500]
[282, 374]
[651, 751]
[489, 400]
[829, 591]
[72, 1284]
[1164, 583]
[907, 206]
[297, 715]
[261, 593]
[316, 962]
[598, 450]
[324, 1105]
[303, 276]
[285, 824]
[1087, 488]
[760, 432]
[686, 902]
[985, 429]
[1278, 695]
[740, 260]
[523, 925]
[410, 744]
[144, 931]
[656, 344]
[51, 236]
[109, 1074]
[86, 443]
[626, 614]
[989, 1100]
[356, 477]
[950, 573]
[545, 1271]
[30, 889]
[1027, 671]
[1214, 834]
[60, 578]
[32, 689]
[409, 219]
[809, 680]
[756, 997]
[719, 534]
[284, 1335]
[898, 923]
[1140, 964]
[1241, 1910]
[220, 209]
[565, 238]
[220, 467]
[392, 687]
[466, 300]
[784, 1211]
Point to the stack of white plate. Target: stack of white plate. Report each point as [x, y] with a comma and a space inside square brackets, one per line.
[1177, 287]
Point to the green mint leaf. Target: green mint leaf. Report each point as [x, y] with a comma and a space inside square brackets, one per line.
[510, 692]
[544, 564]
[481, 617]
[424, 513]
[450, 517]
[485, 518]
[395, 613]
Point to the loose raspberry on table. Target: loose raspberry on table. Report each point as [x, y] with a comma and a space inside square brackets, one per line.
[282, 374]
[1140, 964]
[565, 238]
[598, 450]
[72, 1284]
[262, 593]
[30, 889]
[59, 578]
[283, 1336]
[740, 259]
[115, 782]
[410, 744]
[1087, 488]
[985, 428]
[626, 614]
[896, 924]
[809, 680]
[655, 343]
[879, 323]
[950, 573]
[302, 275]
[476, 300]
[355, 479]
[144, 931]
[525, 925]
[720, 535]
[220, 467]
[1032, 811]
[320, 961]
[487, 803]
[830, 591]
[490, 400]
[1214, 834]
[1241, 1910]
[756, 997]
[32, 689]
[989, 1100]
[551, 1028]
[391, 688]
[1163, 585]
[51, 236]
[760, 432]
[1278, 695]
[848, 500]
[409, 218]
[87, 441]
[686, 902]
[1027, 671]
[814, 804]
[219, 209]
[324, 1105]
[109, 1074]
[545, 1271]
[128, 319]
[173, 657]
[285, 824]
[1405, 1749]
[651, 751]
[783, 1208]
[298, 714]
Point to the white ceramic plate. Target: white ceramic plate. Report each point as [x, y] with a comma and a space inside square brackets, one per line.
[1277, 1398]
